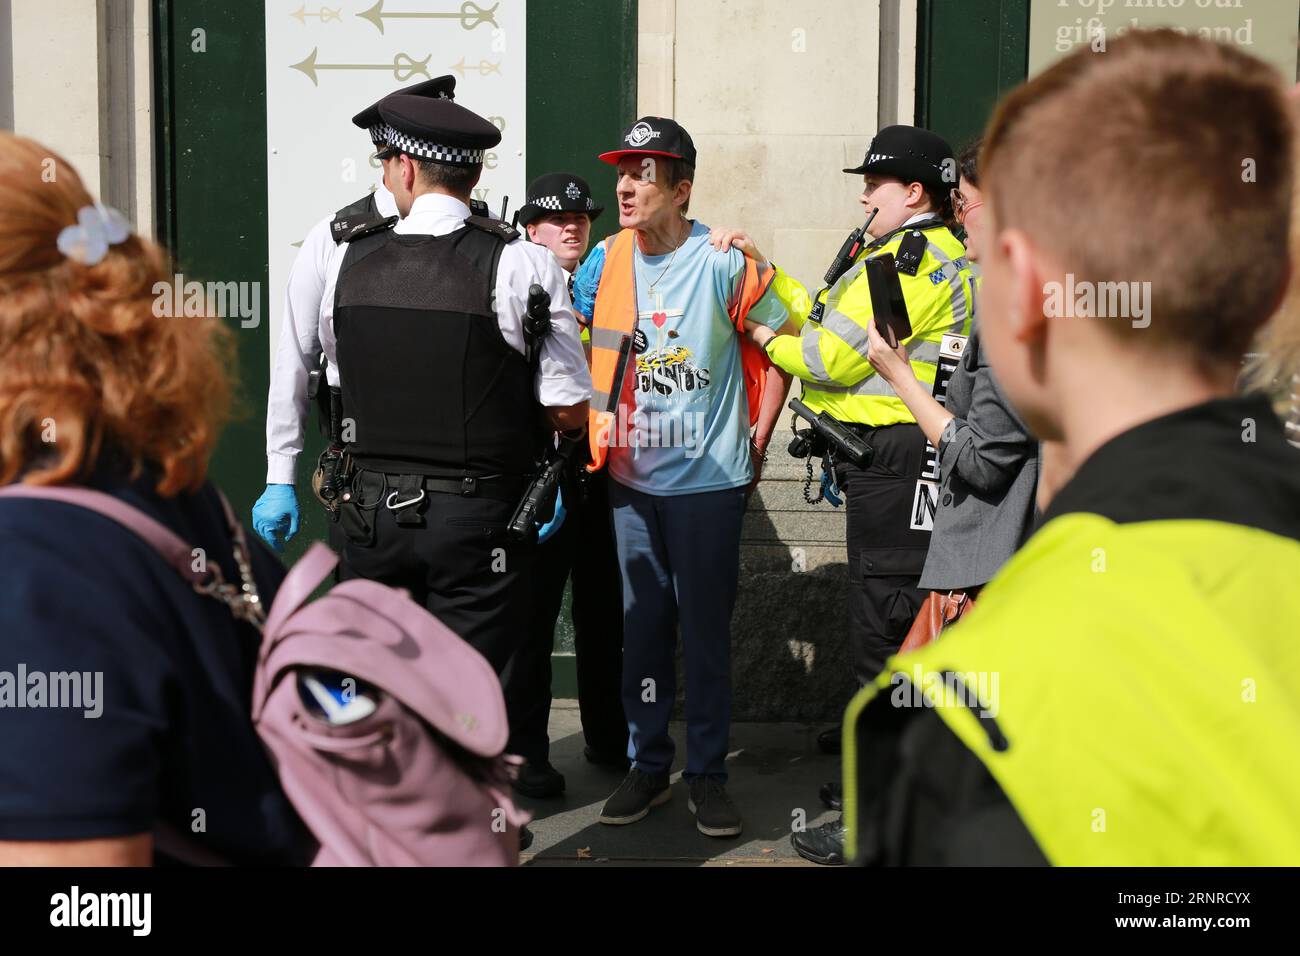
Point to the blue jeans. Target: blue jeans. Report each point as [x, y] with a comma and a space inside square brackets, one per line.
[680, 560]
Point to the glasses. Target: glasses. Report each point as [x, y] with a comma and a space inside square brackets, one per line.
[963, 207]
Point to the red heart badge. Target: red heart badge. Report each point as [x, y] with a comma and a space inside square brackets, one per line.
[659, 318]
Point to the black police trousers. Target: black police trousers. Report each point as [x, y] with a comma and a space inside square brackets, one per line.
[584, 544]
[885, 555]
[460, 563]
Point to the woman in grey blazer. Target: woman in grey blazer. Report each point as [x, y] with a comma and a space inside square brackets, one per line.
[988, 461]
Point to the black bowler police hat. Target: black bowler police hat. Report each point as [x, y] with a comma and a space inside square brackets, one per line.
[653, 136]
[913, 155]
[558, 192]
[439, 88]
[434, 129]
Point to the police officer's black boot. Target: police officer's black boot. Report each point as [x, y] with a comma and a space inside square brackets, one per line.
[832, 795]
[539, 780]
[823, 844]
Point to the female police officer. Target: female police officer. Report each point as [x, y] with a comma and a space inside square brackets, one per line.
[908, 174]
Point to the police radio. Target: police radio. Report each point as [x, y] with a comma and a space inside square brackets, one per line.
[849, 251]
[843, 261]
[537, 322]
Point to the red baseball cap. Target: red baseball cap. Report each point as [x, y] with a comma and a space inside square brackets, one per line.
[653, 136]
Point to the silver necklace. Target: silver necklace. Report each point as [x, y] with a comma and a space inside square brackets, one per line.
[650, 290]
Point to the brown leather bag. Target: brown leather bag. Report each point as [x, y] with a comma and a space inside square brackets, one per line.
[940, 610]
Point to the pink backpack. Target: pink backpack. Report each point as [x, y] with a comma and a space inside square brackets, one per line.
[385, 790]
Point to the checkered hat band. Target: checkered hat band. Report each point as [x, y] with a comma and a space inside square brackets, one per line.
[377, 133]
[553, 203]
[423, 149]
[547, 202]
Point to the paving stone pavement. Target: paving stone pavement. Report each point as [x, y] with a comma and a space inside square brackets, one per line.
[774, 772]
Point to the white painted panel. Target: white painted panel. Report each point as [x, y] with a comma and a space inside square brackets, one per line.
[325, 62]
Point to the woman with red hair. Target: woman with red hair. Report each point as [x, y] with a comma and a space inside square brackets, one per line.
[124, 693]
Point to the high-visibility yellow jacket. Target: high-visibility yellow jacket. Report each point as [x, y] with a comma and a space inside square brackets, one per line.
[830, 356]
[1126, 691]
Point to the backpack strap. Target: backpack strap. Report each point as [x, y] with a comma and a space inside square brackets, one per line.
[178, 554]
[297, 586]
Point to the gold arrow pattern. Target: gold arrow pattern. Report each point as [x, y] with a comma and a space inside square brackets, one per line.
[483, 69]
[403, 67]
[470, 16]
[324, 14]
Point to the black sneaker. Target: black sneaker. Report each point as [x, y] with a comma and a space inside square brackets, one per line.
[606, 758]
[539, 781]
[823, 844]
[715, 814]
[638, 792]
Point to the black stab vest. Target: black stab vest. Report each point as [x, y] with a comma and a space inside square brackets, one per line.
[430, 386]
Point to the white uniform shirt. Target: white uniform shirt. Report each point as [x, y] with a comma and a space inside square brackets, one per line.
[295, 355]
[563, 377]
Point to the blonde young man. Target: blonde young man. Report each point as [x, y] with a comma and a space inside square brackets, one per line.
[1125, 693]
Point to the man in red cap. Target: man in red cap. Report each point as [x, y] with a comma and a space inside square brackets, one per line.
[674, 402]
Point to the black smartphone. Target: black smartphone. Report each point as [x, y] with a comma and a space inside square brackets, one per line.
[887, 302]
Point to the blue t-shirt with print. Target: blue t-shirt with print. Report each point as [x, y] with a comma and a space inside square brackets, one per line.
[690, 430]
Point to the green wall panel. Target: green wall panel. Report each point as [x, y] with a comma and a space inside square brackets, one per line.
[581, 91]
[969, 53]
[211, 148]
[581, 96]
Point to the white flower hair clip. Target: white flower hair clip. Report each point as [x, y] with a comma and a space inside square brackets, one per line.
[97, 228]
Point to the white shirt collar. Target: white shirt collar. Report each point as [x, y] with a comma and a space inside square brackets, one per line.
[440, 205]
[384, 201]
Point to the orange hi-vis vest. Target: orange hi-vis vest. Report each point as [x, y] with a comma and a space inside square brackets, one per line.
[615, 321]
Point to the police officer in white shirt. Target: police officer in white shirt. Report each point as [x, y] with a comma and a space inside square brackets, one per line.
[298, 356]
[445, 419]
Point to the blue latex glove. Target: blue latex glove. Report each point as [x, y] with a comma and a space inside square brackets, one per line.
[587, 280]
[830, 490]
[557, 519]
[276, 514]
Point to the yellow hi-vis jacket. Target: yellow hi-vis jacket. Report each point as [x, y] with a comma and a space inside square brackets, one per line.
[1130, 679]
[830, 357]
